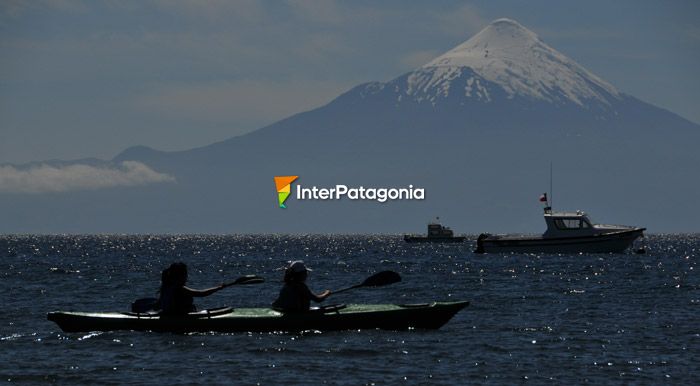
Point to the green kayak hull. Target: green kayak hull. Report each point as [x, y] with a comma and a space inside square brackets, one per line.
[350, 317]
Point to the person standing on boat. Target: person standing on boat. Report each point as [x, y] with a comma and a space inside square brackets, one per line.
[175, 297]
[295, 296]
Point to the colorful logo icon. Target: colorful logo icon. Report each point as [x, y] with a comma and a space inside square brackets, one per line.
[284, 188]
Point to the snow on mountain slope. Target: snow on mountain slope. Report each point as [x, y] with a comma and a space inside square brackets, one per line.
[512, 58]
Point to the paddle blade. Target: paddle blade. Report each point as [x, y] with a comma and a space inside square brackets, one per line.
[381, 279]
[248, 279]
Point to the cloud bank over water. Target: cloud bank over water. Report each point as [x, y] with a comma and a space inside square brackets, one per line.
[46, 178]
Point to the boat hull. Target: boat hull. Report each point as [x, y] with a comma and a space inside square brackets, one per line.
[611, 242]
[350, 317]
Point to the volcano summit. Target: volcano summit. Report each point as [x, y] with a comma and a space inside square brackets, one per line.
[513, 58]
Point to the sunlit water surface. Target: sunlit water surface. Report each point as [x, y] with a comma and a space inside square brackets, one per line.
[543, 318]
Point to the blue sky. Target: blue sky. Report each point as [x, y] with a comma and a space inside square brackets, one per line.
[88, 79]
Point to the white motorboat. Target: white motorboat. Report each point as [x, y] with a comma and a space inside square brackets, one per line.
[567, 232]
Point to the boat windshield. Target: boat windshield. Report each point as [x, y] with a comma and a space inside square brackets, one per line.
[569, 223]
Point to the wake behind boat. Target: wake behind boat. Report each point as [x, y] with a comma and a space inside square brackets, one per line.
[330, 318]
[567, 232]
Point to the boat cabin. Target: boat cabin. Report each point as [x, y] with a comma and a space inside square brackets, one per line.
[567, 224]
[437, 230]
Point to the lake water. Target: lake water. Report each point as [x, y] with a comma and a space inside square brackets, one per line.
[559, 319]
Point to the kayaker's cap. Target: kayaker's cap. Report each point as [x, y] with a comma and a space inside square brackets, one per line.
[297, 266]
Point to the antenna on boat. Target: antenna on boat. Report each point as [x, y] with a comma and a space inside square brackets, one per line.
[550, 185]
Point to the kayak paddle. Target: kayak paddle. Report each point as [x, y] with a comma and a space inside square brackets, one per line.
[146, 304]
[247, 279]
[377, 280]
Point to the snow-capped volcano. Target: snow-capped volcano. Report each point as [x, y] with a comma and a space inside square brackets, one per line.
[507, 59]
[476, 127]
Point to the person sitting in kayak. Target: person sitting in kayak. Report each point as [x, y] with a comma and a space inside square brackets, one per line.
[175, 297]
[295, 296]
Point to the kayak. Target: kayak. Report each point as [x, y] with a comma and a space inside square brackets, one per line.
[227, 319]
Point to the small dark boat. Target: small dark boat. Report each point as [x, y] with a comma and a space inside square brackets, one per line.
[337, 317]
[437, 233]
[566, 233]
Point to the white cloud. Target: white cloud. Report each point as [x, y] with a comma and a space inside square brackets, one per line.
[693, 32]
[319, 11]
[244, 101]
[17, 8]
[229, 12]
[46, 178]
[462, 22]
[418, 58]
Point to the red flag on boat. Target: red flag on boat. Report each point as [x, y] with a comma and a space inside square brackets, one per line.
[543, 197]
